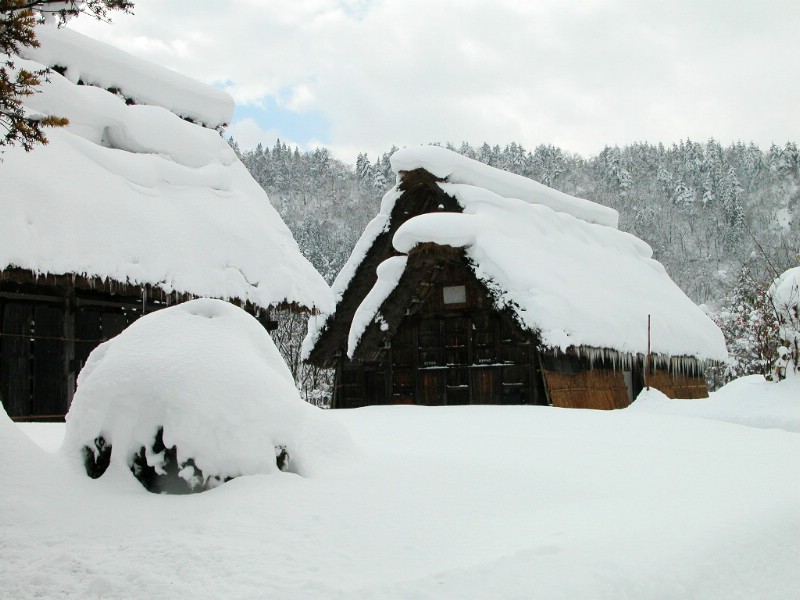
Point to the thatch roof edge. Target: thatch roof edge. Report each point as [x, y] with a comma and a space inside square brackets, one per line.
[67, 283]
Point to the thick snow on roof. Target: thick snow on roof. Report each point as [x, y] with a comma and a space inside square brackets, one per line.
[95, 63]
[455, 168]
[136, 194]
[374, 228]
[577, 283]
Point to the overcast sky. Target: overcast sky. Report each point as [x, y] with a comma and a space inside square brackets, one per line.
[361, 75]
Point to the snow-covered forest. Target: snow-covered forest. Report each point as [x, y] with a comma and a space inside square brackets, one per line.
[722, 220]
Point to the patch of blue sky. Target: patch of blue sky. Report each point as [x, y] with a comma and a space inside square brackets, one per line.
[356, 9]
[300, 127]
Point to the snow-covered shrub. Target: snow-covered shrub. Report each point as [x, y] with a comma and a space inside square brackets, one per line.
[750, 327]
[785, 296]
[187, 398]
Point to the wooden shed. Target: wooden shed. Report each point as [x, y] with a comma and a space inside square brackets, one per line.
[456, 295]
[130, 208]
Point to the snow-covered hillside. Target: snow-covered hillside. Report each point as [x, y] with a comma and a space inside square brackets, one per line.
[451, 502]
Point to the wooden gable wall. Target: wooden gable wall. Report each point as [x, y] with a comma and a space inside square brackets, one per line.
[441, 350]
[442, 341]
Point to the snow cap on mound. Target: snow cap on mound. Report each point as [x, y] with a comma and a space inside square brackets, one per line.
[138, 195]
[205, 371]
[94, 63]
[455, 168]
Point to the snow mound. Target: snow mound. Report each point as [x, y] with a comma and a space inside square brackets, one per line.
[751, 401]
[449, 165]
[94, 63]
[205, 373]
[455, 502]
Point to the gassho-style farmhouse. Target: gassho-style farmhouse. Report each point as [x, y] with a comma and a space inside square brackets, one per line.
[477, 286]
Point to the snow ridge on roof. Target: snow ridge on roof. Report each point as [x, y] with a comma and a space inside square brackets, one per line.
[98, 64]
[138, 195]
[455, 168]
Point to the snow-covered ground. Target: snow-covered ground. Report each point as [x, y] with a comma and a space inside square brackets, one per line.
[448, 502]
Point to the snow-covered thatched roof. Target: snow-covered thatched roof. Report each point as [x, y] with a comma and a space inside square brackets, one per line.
[558, 262]
[91, 62]
[136, 194]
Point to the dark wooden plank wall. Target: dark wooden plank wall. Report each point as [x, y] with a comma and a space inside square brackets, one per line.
[448, 353]
[43, 346]
[446, 359]
[88, 333]
[470, 353]
[15, 358]
[49, 397]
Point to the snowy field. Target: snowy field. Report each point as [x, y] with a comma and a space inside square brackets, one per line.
[449, 502]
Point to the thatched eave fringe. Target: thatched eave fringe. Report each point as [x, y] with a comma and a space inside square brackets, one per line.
[627, 360]
[66, 284]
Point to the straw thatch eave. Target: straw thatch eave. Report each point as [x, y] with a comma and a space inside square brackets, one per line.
[55, 286]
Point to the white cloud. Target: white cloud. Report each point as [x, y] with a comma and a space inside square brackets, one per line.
[580, 74]
[300, 99]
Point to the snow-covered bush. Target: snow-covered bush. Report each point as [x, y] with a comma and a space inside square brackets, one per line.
[750, 327]
[186, 398]
[785, 296]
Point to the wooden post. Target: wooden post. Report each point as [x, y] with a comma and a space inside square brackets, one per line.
[647, 359]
